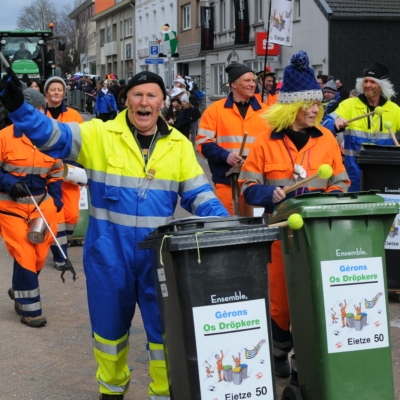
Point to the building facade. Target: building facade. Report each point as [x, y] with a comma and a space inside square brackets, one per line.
[115, 39]
[150, 18]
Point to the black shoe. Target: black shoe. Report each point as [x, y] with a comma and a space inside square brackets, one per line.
[282, 368]
[16, 306]
[60, 266]
[111, 397]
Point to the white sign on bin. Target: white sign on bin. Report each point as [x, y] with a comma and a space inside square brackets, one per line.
[355, 303]
[233, 350]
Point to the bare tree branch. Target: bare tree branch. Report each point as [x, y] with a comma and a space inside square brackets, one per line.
[37, 15]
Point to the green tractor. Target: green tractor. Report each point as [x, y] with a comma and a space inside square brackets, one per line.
[31, 55]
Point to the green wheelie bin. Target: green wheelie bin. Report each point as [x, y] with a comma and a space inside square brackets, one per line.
[336, 283]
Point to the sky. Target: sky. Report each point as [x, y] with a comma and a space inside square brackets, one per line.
[10, 10]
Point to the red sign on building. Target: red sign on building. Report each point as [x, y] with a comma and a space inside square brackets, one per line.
[261, 43]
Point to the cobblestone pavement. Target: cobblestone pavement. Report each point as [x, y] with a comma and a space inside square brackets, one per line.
[56, 362]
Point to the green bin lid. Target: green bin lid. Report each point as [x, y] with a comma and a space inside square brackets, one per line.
[328, 205]
[349, 315]
[227, 367]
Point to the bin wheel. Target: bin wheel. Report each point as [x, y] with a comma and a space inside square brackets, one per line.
[292, 393]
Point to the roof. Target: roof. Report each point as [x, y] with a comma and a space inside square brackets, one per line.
[360, 9]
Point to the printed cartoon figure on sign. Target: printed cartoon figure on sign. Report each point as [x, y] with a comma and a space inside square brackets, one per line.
[209, 371]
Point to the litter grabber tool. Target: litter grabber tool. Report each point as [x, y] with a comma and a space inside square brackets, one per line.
[68, 265]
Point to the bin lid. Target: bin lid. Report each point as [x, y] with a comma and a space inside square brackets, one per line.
[319, 205]
[373, 154]
[197, 232]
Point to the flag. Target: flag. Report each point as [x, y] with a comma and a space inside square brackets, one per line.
[207, 28]
[242, 24]
[280, 31]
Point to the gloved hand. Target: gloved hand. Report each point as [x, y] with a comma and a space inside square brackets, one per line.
[11, 95]
[19, 190]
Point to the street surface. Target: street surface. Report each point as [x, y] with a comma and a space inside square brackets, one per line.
[56, 362]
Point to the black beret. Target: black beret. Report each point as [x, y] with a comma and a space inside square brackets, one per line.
[146, 77]
[235, 71]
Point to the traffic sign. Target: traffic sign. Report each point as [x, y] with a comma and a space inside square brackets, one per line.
[154, 61]
[154, 48]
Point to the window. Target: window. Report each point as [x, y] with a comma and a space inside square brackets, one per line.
[114, 32]
[140, 28]
[296, 11]
[102, 36]
[222, 13]
[128, 51]
[219, 80]
[259, 11]
[186, 17]
[108, 40]
[128, 27]
[232, 15]
[255, 65]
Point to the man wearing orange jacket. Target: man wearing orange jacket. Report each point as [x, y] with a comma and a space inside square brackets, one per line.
[222, 127]
[55, 91]
[266, 79]
[24, 166]
[293, 147]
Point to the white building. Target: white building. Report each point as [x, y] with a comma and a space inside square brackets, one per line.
[150, 16]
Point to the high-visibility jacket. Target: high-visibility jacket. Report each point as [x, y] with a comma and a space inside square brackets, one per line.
[20, 160]
[270, 164]
[68, 217]
[270, 100]
[366, 130]
[221, 132]
[118, 274]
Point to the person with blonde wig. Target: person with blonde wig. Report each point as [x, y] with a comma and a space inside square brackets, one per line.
[291, 149]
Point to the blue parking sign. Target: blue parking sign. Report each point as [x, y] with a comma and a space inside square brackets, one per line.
[154, 49]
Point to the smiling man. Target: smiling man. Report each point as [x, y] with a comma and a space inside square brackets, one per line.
[222, 127]
[122, 157]
[293, 148]
[376, 90]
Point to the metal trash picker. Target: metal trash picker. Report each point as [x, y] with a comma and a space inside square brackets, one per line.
[68, 264]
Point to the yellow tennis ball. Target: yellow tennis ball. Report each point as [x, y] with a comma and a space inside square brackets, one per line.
[295, 221]
[388, 125]
[378, 110]
[325, 171]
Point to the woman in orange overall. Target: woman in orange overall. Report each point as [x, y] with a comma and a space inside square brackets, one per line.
[293, 147]
[55, 91]
[24, 171]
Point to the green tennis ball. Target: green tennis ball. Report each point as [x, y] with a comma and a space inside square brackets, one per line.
[295, 221]
[388, 125]
[378, 110]
[325, 171]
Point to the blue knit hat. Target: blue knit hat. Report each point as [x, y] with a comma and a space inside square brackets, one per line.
[299, 82]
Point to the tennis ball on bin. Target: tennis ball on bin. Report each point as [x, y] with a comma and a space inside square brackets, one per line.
[378, 110]
[295, 221]
[325, 171]
[388, 125]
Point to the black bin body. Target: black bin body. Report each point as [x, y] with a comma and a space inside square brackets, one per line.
[380, 166]
[203, 260]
